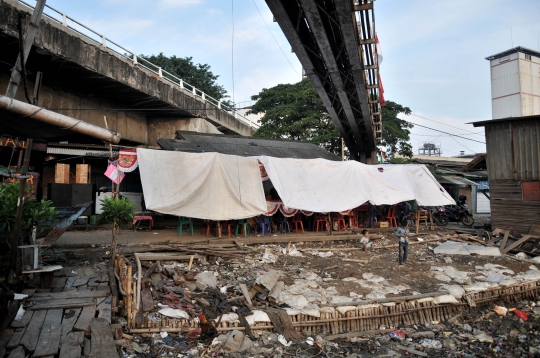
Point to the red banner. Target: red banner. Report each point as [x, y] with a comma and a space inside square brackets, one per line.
[127, 160]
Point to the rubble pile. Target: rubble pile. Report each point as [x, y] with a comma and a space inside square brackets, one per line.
[248, 303]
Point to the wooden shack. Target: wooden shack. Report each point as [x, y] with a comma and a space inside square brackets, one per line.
[513, 164]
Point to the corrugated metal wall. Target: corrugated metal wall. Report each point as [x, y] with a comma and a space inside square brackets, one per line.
[513, 150]
[507, 208]
[513, 156]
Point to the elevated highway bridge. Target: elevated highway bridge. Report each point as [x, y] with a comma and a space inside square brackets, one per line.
[87, 76]
[335, 43]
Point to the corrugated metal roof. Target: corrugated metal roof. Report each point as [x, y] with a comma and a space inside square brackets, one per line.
[80, 152]
[244, 146]
[449, 179]
[514, 50]
[500, 120]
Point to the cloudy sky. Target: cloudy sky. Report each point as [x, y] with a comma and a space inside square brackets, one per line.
[434, 51]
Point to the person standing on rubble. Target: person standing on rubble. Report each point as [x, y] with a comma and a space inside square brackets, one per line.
[403, 235]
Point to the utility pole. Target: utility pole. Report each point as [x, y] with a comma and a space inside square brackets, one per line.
[17, 74]
[17, 71]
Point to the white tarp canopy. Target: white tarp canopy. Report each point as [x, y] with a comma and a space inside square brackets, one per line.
[209, 186]
[322, 185]
[224, 187]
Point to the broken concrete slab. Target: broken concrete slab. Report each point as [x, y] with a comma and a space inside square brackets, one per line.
[458, 248]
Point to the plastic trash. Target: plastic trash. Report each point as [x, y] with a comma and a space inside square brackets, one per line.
[283, 341]
[500, 310]
[521, 314]
[431, 343]
[398, 334]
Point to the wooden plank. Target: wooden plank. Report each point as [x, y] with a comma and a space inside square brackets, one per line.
[104, 309]
[72, 345]
[29, 291]
[102, 339]
[23, 322]
[505, 240]
[15, 338]
[63, 303]
[535, 230]
[245, 291]
[94, 282]
[412, 351]
[53, 316]
[515, 244]
[69, 282]
[88, 272]
[68, 321]
[49, 341]
[81, 281]
[31, 335]
[493, 241]
[87, 347]
[17, 353]
[60, 282]
[66, 295]
[85, 318]
[4, 339]
[147, 301]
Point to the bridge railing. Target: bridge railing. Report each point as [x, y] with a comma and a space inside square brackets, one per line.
[101, 40]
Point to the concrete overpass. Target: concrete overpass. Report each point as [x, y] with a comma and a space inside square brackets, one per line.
[335, 42]
[87, 76]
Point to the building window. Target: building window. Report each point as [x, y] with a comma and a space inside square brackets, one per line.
[527, 57]
[530, 190]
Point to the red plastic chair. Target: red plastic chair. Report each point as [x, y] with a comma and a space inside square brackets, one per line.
[353, 221]
[322, 222]
[298, 221]
[340, 219]
[391, 217]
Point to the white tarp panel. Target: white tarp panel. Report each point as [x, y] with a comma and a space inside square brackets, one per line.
[322, 186]
[201, 185]
[416, 180]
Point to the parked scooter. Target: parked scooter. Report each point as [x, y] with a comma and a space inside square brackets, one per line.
[444, 214]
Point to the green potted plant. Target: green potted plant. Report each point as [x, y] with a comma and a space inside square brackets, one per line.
[120, 213]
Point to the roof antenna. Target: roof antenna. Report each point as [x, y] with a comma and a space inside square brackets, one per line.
[511, 38]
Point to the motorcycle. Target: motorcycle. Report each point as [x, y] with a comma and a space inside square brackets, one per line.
[444, 214]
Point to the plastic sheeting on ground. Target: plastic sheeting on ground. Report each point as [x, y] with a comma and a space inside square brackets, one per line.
[325, 186]
[209, 186]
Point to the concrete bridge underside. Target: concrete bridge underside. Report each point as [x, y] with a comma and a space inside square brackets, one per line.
[87, 81]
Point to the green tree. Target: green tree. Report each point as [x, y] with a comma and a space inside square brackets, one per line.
[35, 213]
[295, 111]
[395, 131]
[120, 213]
[198, 75]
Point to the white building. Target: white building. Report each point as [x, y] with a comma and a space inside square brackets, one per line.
[515, 83]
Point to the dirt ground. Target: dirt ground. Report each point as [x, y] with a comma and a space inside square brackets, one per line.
[382, 262]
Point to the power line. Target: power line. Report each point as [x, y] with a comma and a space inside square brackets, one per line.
[271, 33]
[436, 130]
[232, 48]
[462, 145]
[444, 124]
[433, 135]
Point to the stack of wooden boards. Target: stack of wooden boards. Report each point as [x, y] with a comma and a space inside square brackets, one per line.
[70, 320]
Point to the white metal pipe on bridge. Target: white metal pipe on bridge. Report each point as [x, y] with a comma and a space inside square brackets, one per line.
[58, 120]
